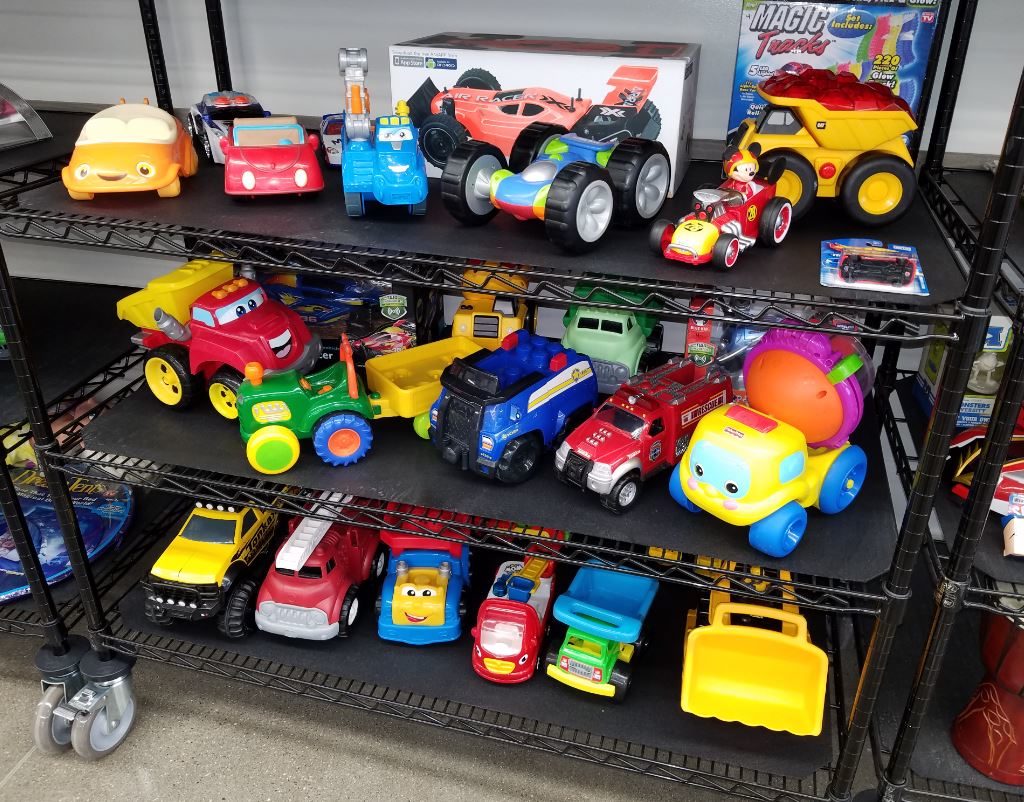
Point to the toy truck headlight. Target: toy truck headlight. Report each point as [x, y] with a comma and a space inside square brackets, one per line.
[601, 471]
[486, 443]
[433, 415]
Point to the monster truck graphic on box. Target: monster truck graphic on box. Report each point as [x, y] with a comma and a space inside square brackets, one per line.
[476, 107]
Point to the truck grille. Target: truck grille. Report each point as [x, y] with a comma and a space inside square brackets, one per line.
[486, 326]
[610, 374]
[460, 423]
[576, 468]
[183, 600]
[293, 616]
[580, 669]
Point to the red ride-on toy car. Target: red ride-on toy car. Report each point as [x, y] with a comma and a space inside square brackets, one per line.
[312, 589]
[271, 156]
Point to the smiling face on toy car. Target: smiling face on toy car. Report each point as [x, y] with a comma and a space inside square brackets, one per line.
[419, 598]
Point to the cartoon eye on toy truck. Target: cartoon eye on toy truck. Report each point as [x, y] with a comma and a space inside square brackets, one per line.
[211, 568]
[312, 589]
[489, 317]
[840, 138]
[500, 410]
[421, 600]
[643, 428]
[476, 107]
[200, 325]
[576, 186]
[605, 612]
[380, 160]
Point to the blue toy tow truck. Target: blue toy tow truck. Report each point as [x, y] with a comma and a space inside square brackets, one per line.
[500, 410]
[380, 161]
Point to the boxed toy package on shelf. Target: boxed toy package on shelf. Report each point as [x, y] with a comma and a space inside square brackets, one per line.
[491, 86]
[887, 42]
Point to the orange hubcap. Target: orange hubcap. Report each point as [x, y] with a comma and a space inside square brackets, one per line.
[343, 442]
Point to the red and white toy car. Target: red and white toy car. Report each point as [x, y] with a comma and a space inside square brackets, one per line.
[271, 156]
[312, 589]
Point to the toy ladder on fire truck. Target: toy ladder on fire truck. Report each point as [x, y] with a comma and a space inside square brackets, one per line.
[306, 537]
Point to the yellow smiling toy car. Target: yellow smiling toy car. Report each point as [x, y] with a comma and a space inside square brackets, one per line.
[130, 147]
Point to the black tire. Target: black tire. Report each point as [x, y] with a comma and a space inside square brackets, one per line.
[379, 566]
[229, 380]
[174, 359]
[156, 614]
[351, 598]
[530, 144]
[797, 168]
[567, 191]
[551, 656]
[624, 493]
[637, 201]
[520, 459]
[477, 78]
[462, 168]
[657, 231]
[776, 212]
[652, 128]
[200, 141]
[865, 169]
[723, 257]
[440, 135]
[619, 679]
[378, 604]
[237, 618]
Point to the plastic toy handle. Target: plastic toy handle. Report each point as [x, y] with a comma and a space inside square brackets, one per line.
[345, 352]
[606, 617]
[756, 610]
[254, 373]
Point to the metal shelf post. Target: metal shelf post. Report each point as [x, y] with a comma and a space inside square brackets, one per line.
[962, 26]
[155, 50]
[219, 44]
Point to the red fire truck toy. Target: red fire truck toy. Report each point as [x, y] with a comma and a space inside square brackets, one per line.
[641, 429]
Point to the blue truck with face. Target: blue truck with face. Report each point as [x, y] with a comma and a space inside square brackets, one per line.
[499, 411]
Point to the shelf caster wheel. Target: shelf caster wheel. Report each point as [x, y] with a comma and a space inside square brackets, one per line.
[51, 733]
[106, 715]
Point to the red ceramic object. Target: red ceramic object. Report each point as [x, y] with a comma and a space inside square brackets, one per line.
[989, 732]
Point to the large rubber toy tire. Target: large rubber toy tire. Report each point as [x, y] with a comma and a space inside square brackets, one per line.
[156, 614]
[470, 162]
[726, 252]
[530, 144]
[349, 611]
[619, 679]
[169, 378]
[520, 459]
[89, 735]
[652, 129]
[624, 493]
[477, 78]
[641, 175]
[223, 392]
[283, 450]
[775, 223]
[238, 618]
[675, 489]
[863, 182]
[379, 566]
[342, 438]
[781, 532]
[440, 135]
[843, 481]
[657, 235]
[798, 178]
[50, 733]
[579, 188]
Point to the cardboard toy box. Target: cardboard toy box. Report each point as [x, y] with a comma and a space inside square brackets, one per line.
[986, 375]
[496, 84]
[888, 41]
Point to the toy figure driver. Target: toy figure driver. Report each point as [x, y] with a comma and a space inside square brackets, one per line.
[741, 167]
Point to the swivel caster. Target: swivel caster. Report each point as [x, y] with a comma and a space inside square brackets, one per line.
[104, 715]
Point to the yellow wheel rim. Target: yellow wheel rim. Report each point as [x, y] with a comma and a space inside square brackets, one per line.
[790, 187]
[880, 193]
[224, 400]
[272, 449]
[163, 381]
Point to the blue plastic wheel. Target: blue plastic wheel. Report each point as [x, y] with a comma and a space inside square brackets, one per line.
[779, 533]
[342, 439]
[675, 489]
[843, 480]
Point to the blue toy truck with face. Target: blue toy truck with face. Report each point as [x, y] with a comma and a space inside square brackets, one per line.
[500, 410]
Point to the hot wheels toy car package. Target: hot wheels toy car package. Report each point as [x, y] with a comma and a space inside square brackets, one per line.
[870, 264]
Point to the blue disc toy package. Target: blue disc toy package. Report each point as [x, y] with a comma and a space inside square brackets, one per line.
[104, 511]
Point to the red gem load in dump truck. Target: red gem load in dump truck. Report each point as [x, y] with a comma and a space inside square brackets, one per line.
[641, 429]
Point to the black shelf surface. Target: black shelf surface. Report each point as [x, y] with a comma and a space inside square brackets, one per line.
[973, 187]
[648, 722]
[72, 333]
[65, 127]
[855, 545]
[320, 221]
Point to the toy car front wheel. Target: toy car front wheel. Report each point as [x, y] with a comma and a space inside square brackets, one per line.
[640, 173]
[168, 376]
[440, 135]
[624, 493]
[619, 679]
[776, 219]
[843, 481]
[660, 235]
[531, 143]
[877, 190]
[520, 459]
[466, 182]
[342, 438]
[272, 449]
[579, 207]
[781, 532]
[725, 253]
[349, 612]
[223, 392]
[798, 183]
[238, 618]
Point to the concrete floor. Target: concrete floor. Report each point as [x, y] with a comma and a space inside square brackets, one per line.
[202, 738]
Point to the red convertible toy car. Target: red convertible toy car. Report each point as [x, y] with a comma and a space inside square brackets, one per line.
[270, 156]
[312, 589]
